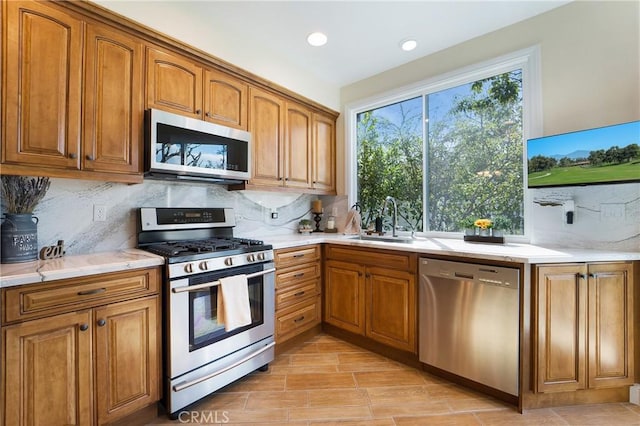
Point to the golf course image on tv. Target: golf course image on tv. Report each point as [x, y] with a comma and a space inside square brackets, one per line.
[602, 155]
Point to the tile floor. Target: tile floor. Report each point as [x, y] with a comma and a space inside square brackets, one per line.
[327, 381]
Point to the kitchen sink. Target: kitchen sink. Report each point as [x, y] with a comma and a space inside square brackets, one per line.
[405, 239]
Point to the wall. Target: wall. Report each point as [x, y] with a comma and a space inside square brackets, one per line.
[182, 26]
[66, 212]
[590, 66]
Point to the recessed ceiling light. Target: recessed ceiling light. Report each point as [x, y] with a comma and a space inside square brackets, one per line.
[317, 39]
[408, 44]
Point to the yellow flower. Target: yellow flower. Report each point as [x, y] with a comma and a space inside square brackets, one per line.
[483, 223]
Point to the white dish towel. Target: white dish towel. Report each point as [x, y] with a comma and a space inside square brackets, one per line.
[233, 302]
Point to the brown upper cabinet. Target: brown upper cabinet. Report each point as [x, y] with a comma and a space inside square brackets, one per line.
[266, 115]
[323, 154]
[77, 79]
[174, 83]
[59, 121]
[178, 85]
[293, 147]
[225, 99]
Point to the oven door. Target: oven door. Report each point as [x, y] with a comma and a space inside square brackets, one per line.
[195, 335]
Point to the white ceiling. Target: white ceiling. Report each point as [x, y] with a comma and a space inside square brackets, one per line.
[363, 36]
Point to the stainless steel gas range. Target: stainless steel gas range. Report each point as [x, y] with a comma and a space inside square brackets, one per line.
[200, 355]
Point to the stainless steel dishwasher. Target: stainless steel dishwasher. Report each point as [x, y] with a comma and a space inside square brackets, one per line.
[469, 321]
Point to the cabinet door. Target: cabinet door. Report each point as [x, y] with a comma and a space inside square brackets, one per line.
[127, 357]
[561, 327]
[113, 101]
[391, 307]
[266, 124]
[174, 84]
[610, 325]
[297, 150]
[344, 304]
[323, 155]
[48, 371]
[225, 100]
[43, 86]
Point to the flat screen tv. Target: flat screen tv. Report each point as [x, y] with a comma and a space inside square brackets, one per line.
[603, 155]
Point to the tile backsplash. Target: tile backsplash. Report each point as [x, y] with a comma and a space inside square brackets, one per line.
[66, 213]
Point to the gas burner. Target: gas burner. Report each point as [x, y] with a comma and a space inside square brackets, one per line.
[194, 234]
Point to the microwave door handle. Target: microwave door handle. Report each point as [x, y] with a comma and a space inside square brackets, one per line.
[190, 288]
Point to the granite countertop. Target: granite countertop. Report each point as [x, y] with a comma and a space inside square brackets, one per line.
[508, 252]
[97, 263]
[12, 274]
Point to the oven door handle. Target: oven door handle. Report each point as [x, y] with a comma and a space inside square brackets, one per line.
[184, 385]
[198, 287]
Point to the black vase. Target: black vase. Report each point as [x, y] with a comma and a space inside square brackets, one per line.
[19, 238]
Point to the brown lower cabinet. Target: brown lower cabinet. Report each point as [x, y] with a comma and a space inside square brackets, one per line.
[81, 351]
[375, 297]
[584, 326]
[298, 302]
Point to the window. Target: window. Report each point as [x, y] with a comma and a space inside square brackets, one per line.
[450, 151]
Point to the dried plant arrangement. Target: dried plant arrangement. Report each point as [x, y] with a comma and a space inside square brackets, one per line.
[21, 194]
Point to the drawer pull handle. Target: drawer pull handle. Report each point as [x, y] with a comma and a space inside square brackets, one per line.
[300, 293]
[298, 319]
[94, 291]
[299, 275]
[101, 322]
[298, 255]
[84, 327]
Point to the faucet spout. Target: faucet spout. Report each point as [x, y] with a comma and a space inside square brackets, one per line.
[394, 216]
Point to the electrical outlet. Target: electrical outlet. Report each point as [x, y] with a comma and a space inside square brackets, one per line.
[611, 211]
[274, 214]
[99, 213]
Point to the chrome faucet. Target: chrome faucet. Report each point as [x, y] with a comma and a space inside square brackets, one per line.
[394, 216]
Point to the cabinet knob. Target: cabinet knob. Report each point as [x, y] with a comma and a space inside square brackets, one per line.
[101, 322]
[198, 111]
[583, 276]
[207, 114]
[90, 157]
[73, 156]
[84, 327]
[367, 275]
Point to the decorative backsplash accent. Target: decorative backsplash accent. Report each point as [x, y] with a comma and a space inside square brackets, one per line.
[66, 213]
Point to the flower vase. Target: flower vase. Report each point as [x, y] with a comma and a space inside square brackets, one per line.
[19, 238]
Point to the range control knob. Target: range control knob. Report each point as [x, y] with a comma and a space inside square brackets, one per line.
[188, 268]
[228, 261]
[204, 266]
[261, 256]
[251, 258]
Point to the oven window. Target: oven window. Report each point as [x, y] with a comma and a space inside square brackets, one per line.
[205, 327]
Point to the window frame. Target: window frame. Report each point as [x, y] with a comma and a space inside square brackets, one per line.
[528, 60]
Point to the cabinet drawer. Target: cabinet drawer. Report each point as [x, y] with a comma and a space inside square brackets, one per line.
[297, 318]
[383, 258]
[293, 276]
[297, 256]
[297, 293]
[39, 300]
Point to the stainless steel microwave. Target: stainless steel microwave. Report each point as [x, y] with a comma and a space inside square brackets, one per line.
[183, 148]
